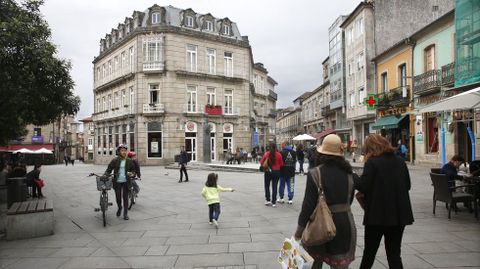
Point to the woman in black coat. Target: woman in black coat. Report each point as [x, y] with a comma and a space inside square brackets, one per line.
[385, 183]
[337, 182]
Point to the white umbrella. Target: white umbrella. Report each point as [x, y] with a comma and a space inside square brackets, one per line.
[43, 151]
[24, 150]
[303, 137]
[462, 101]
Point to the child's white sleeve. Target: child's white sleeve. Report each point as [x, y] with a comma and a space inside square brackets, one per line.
[220, 188]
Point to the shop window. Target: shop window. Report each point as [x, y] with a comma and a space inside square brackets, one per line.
[154, 140]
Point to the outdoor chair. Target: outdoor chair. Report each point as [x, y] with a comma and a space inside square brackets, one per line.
[443, 193]
[436, 170]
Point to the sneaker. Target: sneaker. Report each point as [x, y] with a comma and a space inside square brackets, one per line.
[215, 223]
[125, 217]
[119, 211]
[281, 201]
[267, 203]
[180, 181]
[274, 205]
[290, 202]
[210, 222]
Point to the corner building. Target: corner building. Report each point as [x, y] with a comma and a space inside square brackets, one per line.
[167, 78]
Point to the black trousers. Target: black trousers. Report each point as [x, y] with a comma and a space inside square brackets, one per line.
[183, 169]
[393, 242]
[272, 178]
[121, 193]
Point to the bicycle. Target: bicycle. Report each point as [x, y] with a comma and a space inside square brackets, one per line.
[104, 184]
[132, 194]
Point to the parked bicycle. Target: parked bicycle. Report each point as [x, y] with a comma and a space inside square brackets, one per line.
[104, 184]
[133, 193]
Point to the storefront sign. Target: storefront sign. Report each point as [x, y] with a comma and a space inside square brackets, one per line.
[154, 147]
[228, 128]
[426, 100]
[190, 127]
[37, 139]
[419, 138]
[393, 111]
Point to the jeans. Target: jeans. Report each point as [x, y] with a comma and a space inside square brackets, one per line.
[300, 169]
[213, 211]
[183, 169]
[121, 193]
[290, 182]
[272, 178]
[393, 242]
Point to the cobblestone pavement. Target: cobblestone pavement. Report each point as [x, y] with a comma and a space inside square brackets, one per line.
[168, 227]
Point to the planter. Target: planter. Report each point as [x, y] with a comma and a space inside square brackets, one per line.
[213, 110]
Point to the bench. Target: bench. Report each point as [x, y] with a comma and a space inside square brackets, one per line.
[29, 219]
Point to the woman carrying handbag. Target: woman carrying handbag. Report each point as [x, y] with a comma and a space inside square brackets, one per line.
[331, 179]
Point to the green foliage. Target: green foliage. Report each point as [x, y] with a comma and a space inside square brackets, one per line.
[35, 85]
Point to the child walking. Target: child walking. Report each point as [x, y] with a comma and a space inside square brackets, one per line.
[211, 194]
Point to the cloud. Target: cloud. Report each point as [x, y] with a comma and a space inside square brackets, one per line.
[289, 37]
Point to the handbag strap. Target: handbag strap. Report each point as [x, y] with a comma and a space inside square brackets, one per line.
[336, 208]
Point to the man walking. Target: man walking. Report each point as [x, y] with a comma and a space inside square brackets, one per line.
[183, 164]
[287, 172]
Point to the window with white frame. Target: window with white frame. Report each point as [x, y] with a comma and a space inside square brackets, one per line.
[104, 71]
[131, 59]
[209, 26]
[211, 61]
[155, 18]
[350, 69]
[99, 107]
[352, 100]
[104, 102]
[116, 64]
[132, 100]
[189, 21]
[124, 61]
[152, 53]
[384, 82]
[361, 95]
[116, 101]
[359, 27]
[350, 35]
[153, 90]
[226, 29]
[110, 68]
[228, 109]
[110, 105]
[360, 61]
[192, 58]
[191, 98]
[90, 141]
[211, 98]
[228, 64]
[124, 99]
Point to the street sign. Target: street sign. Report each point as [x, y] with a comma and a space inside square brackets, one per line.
[371, 101]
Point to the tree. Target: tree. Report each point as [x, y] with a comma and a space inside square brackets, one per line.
[35, 85]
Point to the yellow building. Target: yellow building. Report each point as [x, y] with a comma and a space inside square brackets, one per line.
[394, 115]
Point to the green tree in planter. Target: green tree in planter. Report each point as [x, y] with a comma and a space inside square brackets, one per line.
[35, 85]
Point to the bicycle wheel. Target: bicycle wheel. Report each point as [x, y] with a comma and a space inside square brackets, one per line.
[103, 207]
[131, 198]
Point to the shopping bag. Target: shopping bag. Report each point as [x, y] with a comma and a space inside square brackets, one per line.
[294, 256]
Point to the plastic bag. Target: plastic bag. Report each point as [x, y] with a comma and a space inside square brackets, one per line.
[294, 256]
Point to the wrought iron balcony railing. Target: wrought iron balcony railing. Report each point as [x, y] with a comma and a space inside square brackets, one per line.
[448, 74]
[399, 96]
[427, 82]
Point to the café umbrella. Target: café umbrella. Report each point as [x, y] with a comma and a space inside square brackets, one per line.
[303, 137]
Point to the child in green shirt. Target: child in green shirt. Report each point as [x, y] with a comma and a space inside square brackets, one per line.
[211, 194]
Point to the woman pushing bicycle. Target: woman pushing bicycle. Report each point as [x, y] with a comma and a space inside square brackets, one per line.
[123, 170]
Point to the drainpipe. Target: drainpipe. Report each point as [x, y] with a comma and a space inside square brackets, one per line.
[412, 44]
[472, 141]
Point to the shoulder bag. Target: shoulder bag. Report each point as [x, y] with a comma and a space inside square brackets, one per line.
[321, 228]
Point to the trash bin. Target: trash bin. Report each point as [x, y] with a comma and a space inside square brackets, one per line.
[16, 190]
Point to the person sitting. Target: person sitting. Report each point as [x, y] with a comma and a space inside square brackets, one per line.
[450, 169]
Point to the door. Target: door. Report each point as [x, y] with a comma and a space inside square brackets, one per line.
[212, 146]
[464, 145]
[191, 146]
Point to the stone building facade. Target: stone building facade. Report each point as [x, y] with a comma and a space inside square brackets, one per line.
[167, 78]
[359, 70]
[289, 124]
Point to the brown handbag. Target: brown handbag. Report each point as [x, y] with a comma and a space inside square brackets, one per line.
[321, 228]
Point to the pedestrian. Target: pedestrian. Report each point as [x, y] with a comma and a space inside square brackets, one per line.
[274, 162]
[72, 159]
[287, 173]
[123, 170]
[65, 158]
[238, 155]
[334, 175]
[311, 155]
[300, 158]
[183, 164]
[451, 169]
[254, 155]
[353, 148]
[402, 149]
[385, 184]
[211, 193]
[138, 175]
[32, 181]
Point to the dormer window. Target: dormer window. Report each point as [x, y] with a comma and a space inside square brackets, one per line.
[226, 30]
[209, 26]
[155, 18]
[189, 21]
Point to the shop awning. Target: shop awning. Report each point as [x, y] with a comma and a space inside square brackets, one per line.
[388, 122]
[32, 147]
[462, 101]
[323, 133]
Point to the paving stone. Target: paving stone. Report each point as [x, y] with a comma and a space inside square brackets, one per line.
[74, 252]
[182, 240]
[437, 247]
[230, 238]
[120, 251]
[268, 237]
[145, 241]
[255, 246]
[452, 259]
[210, 260]
[151, 261]
[95, 262]
[157, 250]
[409, 261]
[197, 249]
[27, 252]
[37, 263]
[262, 259]
[6, 262]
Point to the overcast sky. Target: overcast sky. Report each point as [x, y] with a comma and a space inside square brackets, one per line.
[289, 37]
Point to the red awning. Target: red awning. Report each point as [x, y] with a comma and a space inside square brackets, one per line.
[323, 133]
[12, 148]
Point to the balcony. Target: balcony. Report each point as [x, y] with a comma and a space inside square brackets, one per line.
[396, 97]
[327, 111]
[272, 94]
[153, 109]
[153, 66]
[192, 109]
[231, 111]
[427, 82]
[448, 74]
[113, 113]
[213, 110]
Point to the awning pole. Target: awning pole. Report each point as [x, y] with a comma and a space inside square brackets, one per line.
[472, 141]
[444, 154]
